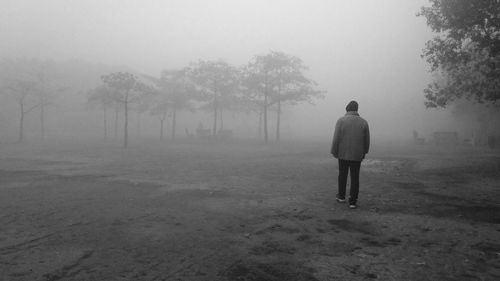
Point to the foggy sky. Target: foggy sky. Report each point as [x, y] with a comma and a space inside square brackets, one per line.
[356, 49]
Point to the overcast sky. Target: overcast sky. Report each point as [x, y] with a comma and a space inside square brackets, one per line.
[356, 49]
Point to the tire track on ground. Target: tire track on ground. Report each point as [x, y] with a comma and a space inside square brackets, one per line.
[66, 271]
[24, 245]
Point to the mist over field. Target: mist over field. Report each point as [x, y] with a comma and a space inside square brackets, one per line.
[367, 51]
[192, 140]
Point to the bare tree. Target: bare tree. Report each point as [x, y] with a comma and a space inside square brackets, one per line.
[128, 90]
[23, 93]
[215, 83]
[18, 83]
[273, 79]
[290, 85]
[174, 92]
[101, 96]
[32, 79]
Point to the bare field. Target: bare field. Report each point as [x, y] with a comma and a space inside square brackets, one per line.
[245, 211]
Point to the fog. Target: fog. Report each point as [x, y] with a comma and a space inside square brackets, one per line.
[361, 50]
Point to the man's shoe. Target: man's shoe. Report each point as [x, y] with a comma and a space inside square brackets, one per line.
[353, 206]
[340, 200]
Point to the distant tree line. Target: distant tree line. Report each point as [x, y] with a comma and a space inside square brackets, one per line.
[262, 86]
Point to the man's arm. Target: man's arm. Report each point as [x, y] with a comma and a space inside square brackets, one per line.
[367, 138]
[336, 140]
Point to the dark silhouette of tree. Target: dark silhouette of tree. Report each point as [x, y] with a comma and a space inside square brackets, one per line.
[19, 83]
[465, 54]
[129, 89]
[101, 96]
[174, 92]
[160, 108]
[49, 85]
[216, 84]
[179, 90]
[273, 79]
[290, 85]
[258, 84]
[33, 79]
[160, 103]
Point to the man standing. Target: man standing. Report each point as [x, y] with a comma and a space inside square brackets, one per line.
[351, 142]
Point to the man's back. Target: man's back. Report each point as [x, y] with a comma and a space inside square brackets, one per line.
[351, 140]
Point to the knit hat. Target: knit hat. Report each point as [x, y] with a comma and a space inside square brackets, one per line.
[352, 106]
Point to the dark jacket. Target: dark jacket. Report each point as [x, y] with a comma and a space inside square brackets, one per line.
[351, 140]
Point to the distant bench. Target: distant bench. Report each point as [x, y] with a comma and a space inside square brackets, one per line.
[416, 139]
[221, 134]
[225, 134]
[203, 133]
[446, 138]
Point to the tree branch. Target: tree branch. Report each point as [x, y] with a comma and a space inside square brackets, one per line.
[31, 108]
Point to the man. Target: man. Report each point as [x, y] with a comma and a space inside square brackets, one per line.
[351, 142]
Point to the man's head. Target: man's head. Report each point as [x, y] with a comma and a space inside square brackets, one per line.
[352, 106]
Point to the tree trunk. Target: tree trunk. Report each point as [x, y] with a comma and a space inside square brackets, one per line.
[259, 133]
[214, 132]
[214, 127]
[125, 133]
[174, 122]
[265, 119]
[105, 123]
[278, 117]
[21, 124]
[42, 105]
[116, 122]
[162, 120]
[265, 113]
[278, 121]
[221, 121]
[42, 118]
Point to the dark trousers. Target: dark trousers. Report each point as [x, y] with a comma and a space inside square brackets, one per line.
[346, 166]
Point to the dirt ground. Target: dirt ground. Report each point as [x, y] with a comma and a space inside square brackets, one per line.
[245, 211]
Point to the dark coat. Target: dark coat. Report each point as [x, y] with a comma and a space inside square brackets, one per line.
[351, 140]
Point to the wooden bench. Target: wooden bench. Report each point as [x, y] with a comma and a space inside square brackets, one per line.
[446, 138]
[188, 134]
[203, 133]
[225, 134]
[416, 139]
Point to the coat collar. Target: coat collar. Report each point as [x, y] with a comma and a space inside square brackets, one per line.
[355, 113]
